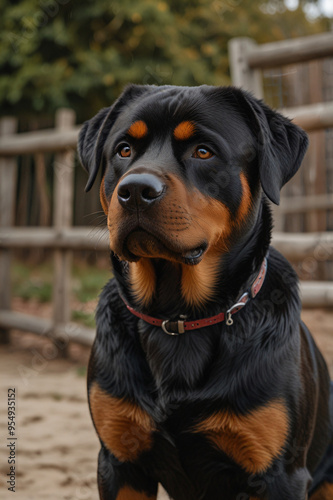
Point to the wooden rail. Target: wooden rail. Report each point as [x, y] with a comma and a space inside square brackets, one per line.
[311, 117]
[294, 51]
[75, 238]
[309, 203]
[64, 333]
[43, 141]
[292, 245]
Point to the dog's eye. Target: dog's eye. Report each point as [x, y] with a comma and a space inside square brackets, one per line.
[124, 150]
[203, 153]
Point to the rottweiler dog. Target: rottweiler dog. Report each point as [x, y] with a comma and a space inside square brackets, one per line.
[202, 376]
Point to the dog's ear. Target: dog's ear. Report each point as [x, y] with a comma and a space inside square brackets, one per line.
[94, 132]
[281, 145]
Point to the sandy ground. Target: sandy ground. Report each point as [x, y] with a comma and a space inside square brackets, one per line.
[56, 446]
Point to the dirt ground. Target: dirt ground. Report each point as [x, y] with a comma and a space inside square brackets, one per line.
[56, 447]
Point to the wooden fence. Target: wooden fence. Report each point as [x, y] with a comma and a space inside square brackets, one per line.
[61, 140]
[246, 60]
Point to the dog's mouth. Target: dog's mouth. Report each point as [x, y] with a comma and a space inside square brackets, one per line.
[140, 243]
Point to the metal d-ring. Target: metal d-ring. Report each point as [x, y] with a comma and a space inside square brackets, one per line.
[181, 328]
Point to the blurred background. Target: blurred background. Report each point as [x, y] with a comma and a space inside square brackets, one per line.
[60, 62]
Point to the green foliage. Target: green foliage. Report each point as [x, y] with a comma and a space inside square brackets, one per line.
[35, 283]
[88, 283]
[81, 54]
[81, 371]
[29, 285]
[35, 289]
[87, 319]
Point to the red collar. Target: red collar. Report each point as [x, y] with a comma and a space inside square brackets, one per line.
[180, 326]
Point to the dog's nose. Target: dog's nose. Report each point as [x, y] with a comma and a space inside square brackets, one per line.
[139, 191]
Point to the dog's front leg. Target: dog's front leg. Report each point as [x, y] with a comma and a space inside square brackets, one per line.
[294, 486]
[122, 481]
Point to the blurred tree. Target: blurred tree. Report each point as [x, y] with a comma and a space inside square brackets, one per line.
[80, 54]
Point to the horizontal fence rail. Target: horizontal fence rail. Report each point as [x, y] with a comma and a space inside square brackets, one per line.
[68, 332]
[43, 141]
[311, 117]
[292, 51]
[292, 245]
[308, 203]
[75, 238]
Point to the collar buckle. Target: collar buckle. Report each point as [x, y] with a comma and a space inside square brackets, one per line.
[180, 326]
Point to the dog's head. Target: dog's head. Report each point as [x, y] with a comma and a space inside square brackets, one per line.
[183, 168]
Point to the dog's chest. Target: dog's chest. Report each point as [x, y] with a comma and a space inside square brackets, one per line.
[164, 415]
[250, 442]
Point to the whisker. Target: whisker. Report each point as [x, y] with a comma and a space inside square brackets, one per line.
[94, 213]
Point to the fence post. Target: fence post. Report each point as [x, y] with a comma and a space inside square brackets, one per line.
[63, 216]
[8, 175]
[241, 74]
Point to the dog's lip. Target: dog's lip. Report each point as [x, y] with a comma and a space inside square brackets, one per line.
[195, 255]
[191, 256]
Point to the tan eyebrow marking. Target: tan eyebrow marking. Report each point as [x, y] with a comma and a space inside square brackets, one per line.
[138, 129]
[184, 131]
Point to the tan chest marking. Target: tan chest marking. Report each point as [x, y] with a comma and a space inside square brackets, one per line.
[198, 282]
[143, 280]
[127, 493]
[324, 492]
[125, 429]
[254, 440]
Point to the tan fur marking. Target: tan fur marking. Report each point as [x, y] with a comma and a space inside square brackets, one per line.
[246, 201]
[127, 493]
[184, 131]
[198, 282]
[138, 129]
[143, 280]
[325, 492]
[125, 429]
[253, 440]
[102, 197]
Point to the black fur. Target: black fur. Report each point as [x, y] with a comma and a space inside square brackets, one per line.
[267, 354]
